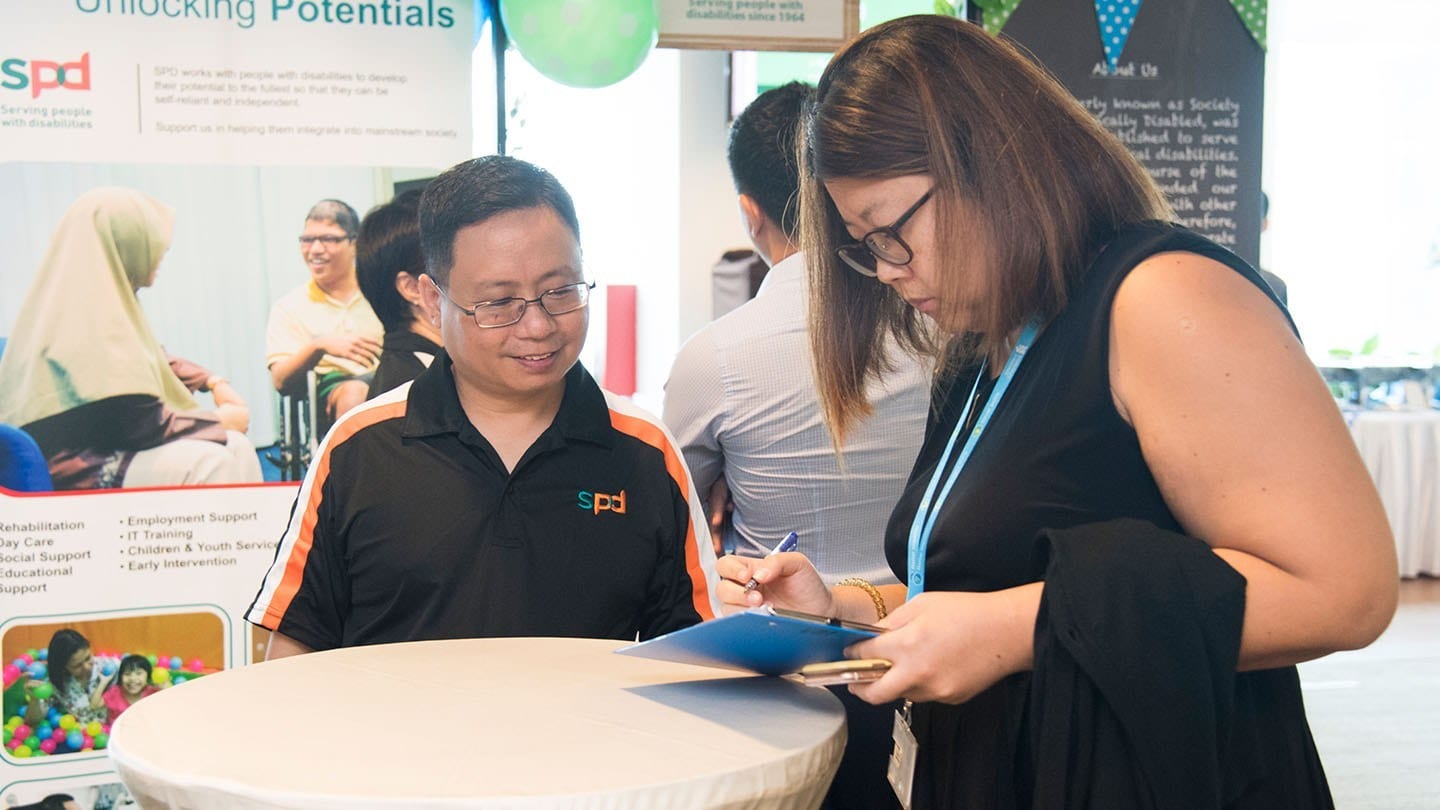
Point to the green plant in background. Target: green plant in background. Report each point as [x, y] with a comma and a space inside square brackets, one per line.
[1367, 348]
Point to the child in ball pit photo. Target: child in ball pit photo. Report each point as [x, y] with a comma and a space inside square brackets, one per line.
[132, 682]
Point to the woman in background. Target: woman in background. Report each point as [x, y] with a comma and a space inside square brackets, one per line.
[86, 377]
[1136, 507]
[388, 264]
[78, 684]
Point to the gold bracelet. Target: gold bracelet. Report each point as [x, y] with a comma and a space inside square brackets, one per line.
[871, 590]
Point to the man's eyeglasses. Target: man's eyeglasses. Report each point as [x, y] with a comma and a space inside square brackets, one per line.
[509, 311]
[882, 243]
[327, 241]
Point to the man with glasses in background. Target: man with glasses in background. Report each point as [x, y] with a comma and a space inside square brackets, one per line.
[325, 324]
[502, 492]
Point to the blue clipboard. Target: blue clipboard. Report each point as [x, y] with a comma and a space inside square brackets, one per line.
[762, 639]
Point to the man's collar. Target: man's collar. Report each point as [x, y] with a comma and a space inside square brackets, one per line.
[584, 413]
[318, 295]
[434, 406]
[790, 269]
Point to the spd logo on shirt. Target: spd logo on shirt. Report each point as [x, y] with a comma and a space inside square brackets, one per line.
[598, 502]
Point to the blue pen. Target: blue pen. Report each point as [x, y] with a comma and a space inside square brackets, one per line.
[790, 543]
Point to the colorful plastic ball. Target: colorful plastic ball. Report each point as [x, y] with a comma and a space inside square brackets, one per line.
[197, 665]
[47, 745]
[41, 655]
[11, 672]
[176, 662]
[107, 668]
[178, 679]
[22, 751]
[5, 737]
[13, 742]
[58, 735]
[92, 728]
[22, 731]
[13, 722]
[160, 676]
[53, 716]
[67, 721]
[153, 659]
[44, 730]
[75, 739]
[38, 671]
[28, 658]
[102, 740]
[86, 742]
[20, 664]
[43, 690]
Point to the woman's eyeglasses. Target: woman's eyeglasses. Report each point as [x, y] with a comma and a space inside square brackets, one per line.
[884, 244]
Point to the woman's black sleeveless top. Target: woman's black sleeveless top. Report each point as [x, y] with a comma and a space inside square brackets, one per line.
[1055, 454]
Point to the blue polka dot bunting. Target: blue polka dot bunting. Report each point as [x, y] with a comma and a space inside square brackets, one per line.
[1116, 18]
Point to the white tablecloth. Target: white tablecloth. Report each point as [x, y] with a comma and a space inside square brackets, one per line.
[1402, 451]
[485, 723]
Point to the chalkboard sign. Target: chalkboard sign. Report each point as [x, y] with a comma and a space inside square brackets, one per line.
[1186, 96]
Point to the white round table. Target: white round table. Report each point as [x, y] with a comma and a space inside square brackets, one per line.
[481, 723]
[1402, 451]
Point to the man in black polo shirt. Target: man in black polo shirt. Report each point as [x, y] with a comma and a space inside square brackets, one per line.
[502, 493]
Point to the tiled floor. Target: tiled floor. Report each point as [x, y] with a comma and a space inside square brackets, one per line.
[1375, 712]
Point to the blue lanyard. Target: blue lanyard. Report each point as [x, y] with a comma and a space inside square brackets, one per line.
[929, 508]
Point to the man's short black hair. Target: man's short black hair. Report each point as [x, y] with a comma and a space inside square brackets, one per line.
[476, 190]
[762, 152]
[388, 245]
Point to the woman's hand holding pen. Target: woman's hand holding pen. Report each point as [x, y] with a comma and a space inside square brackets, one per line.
[785, 580]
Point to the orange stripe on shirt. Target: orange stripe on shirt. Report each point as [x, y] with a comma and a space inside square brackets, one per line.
[652, 435]
[295, 563]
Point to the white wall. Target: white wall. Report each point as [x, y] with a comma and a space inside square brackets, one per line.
[709, 217]
[644, 160]
[1352, 170]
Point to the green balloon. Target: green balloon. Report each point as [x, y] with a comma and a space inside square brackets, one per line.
[43, 690]
[582, 43]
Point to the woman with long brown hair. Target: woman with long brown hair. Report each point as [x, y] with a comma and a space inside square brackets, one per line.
[1136, 507]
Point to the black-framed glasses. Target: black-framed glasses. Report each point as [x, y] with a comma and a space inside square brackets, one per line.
[326, 240]
[884, 244]
[509, 311]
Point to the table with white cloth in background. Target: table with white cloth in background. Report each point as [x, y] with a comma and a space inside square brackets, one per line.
[1402, 451]
[480, 723]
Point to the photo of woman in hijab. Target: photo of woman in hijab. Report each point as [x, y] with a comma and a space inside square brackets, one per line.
[84, 374]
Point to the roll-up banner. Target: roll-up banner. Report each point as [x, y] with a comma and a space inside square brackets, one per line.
[158, 159]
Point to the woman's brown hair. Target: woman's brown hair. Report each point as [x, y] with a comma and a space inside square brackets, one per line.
[1028, 187]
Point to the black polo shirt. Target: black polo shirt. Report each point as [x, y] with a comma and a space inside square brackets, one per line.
[409, 527]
